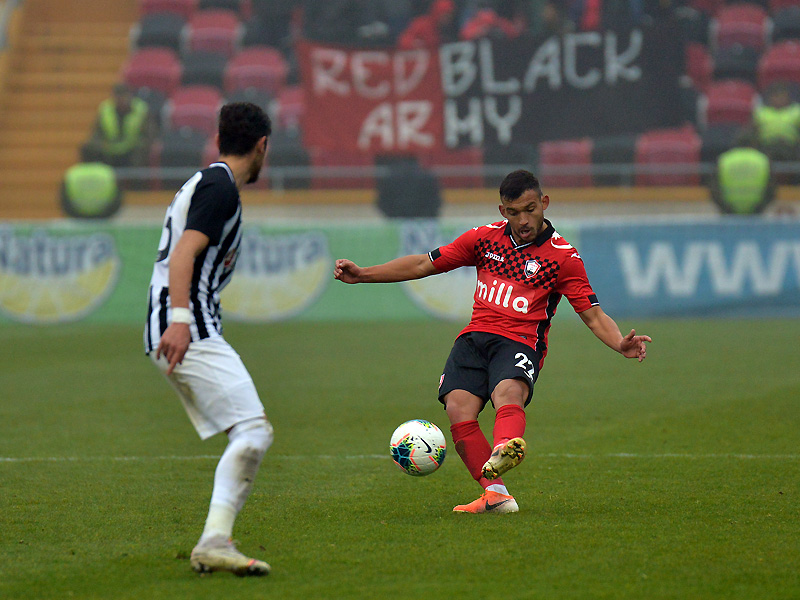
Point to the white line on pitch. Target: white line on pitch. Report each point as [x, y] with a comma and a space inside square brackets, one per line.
[25, 459]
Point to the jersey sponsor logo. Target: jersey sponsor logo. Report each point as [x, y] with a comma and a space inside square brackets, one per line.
[441, 381]
[501, 295]
[532, 268]
[49, 278]
[447, 295]
[494, 256]
[277, 276]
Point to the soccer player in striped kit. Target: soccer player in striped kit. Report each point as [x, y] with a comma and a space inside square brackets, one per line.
[524, 267]
[183, 333]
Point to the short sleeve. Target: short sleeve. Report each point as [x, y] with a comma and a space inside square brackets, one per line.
[458, 253]
[574, 284]
[213, 203]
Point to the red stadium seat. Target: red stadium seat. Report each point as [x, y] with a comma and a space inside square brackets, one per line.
[566, 163]
[456, 168]
[213, 31]
[699, 65]
[744, 24]
[155, 68]
[668, 157]
[258, 67]
[727, 103]
[194, 107]
[185, 8]
[781, 62]
[336, 163]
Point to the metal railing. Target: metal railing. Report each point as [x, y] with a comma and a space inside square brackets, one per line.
[624, 174]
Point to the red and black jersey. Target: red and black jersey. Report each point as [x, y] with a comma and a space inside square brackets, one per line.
[518, 286]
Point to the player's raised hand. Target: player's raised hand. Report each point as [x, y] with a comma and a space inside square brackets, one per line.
[633, 346]
[347, 271]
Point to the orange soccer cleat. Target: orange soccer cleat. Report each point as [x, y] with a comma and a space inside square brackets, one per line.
[490, 502]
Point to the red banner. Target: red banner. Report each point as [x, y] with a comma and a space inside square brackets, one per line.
[371, 101]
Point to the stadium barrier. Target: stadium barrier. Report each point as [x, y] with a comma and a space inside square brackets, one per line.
[719, 267]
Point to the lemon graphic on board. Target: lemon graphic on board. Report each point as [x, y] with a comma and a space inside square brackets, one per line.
[447, 296]
[277, 276]
[46, 278]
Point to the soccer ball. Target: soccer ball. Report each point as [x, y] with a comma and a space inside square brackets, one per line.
[418, 447]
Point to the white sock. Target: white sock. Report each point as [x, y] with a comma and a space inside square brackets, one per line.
[499, 488]
[236, 471]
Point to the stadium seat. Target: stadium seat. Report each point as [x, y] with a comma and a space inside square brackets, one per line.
[333, 162]
[193, 107]
[212, 31]
[676, 151]
[156, 68]
[257, 97]
[736, 62]
[710, 7]
[204, 68]
[456, 168]
[258, 67]
[693, 24]
[728, 102]
[243, 8]
[256, 33]
[184, 8]
[610, 157]
[699, 65]
[566, 163]
[179, 148]
[286, 150]
[160, 30]
[781, 62]
[777, 5]
[786, 24]
[717, 139]
[746, 24]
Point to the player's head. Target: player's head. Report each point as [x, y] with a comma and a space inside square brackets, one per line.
[244, 129]
[522, 204]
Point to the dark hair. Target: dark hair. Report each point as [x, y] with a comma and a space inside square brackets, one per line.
[241, 125]
[517, 183]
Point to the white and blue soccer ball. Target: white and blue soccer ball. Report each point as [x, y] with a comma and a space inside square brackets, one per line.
[418, 447]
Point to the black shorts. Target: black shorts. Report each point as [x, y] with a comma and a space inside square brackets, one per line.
[479, 361]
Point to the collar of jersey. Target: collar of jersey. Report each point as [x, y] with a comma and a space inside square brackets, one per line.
[538, 240]
[227, 168]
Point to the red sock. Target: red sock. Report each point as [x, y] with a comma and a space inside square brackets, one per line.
[509, 422]
[473, 448]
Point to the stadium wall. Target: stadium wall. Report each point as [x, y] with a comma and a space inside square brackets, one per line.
[721, 267]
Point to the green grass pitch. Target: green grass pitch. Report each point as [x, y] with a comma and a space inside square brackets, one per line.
[675, 478]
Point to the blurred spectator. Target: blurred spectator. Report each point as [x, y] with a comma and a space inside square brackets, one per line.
[487, 23]
[348, 22]
[547, 18]
[431, 29]
[776, 124]
[122, 132]
[743, 183]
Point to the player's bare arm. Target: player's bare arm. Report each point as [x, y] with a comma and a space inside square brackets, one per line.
[607, 331]
[405, 268]
[175, 341]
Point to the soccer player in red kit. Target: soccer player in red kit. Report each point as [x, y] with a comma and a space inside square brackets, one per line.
[524, 267]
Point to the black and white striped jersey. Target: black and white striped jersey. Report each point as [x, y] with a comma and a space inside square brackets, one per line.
[208, 202]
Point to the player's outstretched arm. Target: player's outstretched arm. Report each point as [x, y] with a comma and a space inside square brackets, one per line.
[607, 331]
[405, 268]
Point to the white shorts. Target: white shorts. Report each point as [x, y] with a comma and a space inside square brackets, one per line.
[214, 386]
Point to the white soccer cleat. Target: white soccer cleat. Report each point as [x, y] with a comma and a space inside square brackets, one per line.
[504, 457]
[222, 555]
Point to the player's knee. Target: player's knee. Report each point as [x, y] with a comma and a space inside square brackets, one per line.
[255, 437]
